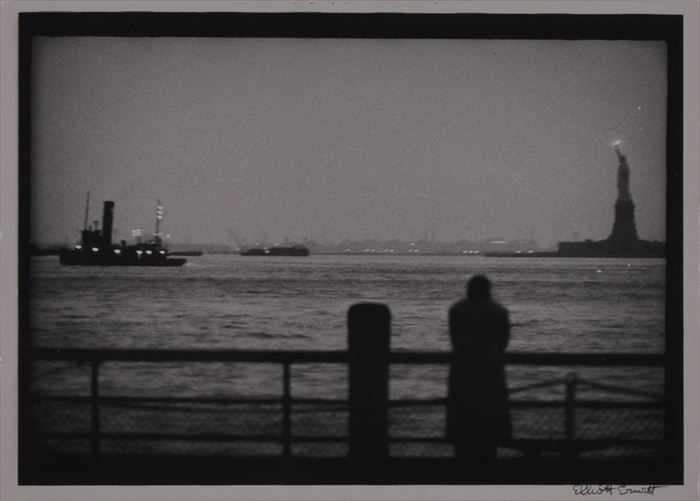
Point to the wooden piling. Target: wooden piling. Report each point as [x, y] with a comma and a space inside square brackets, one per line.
[369, 333]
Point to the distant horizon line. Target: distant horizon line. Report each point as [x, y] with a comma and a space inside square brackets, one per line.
[491, 241]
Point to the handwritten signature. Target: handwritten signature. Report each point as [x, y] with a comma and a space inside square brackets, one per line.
[614, 490]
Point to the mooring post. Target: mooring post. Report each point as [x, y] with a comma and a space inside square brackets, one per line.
[369, 333]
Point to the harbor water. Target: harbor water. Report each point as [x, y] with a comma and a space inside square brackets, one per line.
[264, 303]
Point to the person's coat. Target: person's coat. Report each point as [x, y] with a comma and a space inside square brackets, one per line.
[477, 408]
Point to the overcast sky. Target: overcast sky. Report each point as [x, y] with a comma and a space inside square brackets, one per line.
[320, 138]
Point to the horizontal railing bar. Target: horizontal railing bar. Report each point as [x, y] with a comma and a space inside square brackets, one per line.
[523, 358]
[602, 404]
[319, 401]
[555, 444]
[580, 403]
[410, 402]
[319, 438]
[581, 443]
[336, 356]
[617, 389]
[191, 400]
[144, 355]
[200, 437]
[166, 436]
[443, 401]
[515, 443]
[407, 439]
[167, 400]
[586, 404]
[535, 386]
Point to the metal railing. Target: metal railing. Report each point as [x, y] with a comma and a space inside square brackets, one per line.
[569, 446]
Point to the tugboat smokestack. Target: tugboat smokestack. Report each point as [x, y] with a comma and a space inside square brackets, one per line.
[107, 218]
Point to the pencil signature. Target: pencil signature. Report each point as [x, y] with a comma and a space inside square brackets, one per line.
[614, 489]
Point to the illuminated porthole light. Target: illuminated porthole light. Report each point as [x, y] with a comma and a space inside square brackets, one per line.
[149, 252]
[139, 252]
[95, 249]
[117, 251]
[78, 247]
[162, 252]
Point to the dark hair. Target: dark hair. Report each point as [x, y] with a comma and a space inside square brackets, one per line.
[479, 289]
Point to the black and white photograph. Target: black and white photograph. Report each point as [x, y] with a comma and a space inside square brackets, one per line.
[351, 249]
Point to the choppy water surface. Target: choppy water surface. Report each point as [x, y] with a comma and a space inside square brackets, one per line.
[235, 302]
[223, 301]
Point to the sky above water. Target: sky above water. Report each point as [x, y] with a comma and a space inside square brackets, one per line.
[330, 139]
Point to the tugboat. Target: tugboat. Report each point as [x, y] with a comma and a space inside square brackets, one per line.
[96, 247]
[277, 250]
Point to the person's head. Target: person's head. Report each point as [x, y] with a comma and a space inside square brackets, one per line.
[479, 289]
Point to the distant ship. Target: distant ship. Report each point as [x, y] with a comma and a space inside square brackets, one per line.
[528, 253]
[96, 247]
[277, 250]
[186, 253]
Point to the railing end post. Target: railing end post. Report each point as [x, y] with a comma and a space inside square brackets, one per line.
[369, 335]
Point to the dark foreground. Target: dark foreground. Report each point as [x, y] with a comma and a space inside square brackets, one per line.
[169, 470]
[623, 436]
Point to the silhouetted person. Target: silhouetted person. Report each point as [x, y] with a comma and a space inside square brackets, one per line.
[477, 409]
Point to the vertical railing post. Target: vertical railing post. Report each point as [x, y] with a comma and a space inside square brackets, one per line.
[369, 333]
[286, 410]
[95, 408]
[571, 382]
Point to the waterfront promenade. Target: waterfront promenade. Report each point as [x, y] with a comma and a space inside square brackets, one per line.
[360, 436]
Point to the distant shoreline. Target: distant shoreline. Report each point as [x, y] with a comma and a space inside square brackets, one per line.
[490, 255]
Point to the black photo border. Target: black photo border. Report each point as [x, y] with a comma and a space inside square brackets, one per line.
[657, 27]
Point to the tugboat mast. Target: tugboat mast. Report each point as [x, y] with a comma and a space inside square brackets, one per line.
[159, 218]
[87, 209]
